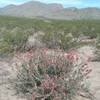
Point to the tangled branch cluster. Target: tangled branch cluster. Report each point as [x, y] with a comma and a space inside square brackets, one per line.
[52, 75]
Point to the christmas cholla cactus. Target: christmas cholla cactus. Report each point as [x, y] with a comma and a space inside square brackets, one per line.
[52, 75]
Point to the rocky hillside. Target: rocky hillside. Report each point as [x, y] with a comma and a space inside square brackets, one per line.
[53, 11]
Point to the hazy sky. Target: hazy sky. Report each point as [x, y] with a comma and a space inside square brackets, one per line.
[65, 3]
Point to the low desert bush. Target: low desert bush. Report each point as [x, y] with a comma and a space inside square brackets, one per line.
[11, 42]
[97, 55]
[52, 75]
[62, 40]
[97, 51]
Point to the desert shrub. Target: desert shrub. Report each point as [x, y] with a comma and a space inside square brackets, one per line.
[13, 41]
[97, 55]
[98, 42]
[97, 52]
[52, 75]
[60, 40]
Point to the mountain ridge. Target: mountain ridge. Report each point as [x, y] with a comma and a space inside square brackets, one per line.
[52, 11]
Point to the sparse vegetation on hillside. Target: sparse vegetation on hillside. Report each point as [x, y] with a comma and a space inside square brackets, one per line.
[15, 31]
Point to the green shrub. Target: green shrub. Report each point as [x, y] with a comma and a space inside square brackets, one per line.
[13, 41]
[60, 40]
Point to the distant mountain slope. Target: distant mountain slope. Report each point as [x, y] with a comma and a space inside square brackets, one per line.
[53, 11]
